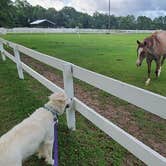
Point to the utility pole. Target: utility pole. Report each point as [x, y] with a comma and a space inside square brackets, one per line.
[109, 21]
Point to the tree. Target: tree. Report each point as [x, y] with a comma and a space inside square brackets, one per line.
[38, 13]
[100, 20]
[114, 22]
[67, 17]
[23, 13]
[144, 23]
[20, 13]
[6, 13]
[159, 22]
[50, 14]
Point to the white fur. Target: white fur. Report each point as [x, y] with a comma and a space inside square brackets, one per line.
[147, 82]
[159, 72]
[34, 134]
[139, 53]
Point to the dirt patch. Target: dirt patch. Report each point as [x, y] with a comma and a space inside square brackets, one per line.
[121, 115]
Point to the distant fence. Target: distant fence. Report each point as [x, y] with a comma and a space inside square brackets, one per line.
[149, 101]
[68, 30]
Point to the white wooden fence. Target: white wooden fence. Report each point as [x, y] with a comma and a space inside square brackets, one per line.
[149, 101]
[69, 30]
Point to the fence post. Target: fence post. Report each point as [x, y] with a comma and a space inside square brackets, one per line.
[2, 51]
[18, 61]
[69, 90]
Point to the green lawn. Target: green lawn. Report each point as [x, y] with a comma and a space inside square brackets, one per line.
[86, 146]
[111, 55]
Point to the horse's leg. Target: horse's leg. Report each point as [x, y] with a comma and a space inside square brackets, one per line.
[163, 59]
[149, 61]
[161, 64]
[158, 68]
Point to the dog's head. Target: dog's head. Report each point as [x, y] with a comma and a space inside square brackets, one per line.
[60, 102]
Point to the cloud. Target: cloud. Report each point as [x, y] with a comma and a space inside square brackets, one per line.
[150, 8]
[89, 6]
[152, 13]
[57, 4]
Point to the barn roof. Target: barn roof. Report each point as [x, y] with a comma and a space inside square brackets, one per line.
[41, 21]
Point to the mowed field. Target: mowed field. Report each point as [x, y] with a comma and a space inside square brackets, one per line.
[111, 55]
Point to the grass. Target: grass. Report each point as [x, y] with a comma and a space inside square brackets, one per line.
[111, 55]
[86, 146]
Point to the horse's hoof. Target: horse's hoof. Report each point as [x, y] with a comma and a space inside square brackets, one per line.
[147, 82]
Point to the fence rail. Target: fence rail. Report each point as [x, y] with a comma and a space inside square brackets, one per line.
[149, 101]
[69, 30]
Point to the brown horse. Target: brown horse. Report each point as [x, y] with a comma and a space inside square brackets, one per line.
[152, 48]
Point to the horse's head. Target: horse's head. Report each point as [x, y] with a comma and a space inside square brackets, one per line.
[141, 52]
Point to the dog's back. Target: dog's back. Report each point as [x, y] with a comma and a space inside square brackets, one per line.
[24, 139]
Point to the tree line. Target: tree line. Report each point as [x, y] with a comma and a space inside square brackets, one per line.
[20, 13]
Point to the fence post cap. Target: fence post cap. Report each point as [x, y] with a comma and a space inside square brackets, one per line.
[68, 67]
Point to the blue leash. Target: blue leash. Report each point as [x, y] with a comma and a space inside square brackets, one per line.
[56, 144]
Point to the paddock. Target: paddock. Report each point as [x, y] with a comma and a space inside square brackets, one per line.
[144, 99]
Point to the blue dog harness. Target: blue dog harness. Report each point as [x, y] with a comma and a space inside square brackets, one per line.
[53, 111]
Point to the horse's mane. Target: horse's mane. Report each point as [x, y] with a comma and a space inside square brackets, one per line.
[152, 40]
[155, 37]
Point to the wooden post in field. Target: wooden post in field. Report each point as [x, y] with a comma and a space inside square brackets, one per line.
[18, 61]
[1, 50]
[69, 90]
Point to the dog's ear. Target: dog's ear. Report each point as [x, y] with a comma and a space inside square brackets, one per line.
[58, 97]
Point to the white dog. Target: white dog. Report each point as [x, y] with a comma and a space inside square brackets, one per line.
[34, 134]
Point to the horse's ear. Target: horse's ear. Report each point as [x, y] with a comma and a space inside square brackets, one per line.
[138, 42]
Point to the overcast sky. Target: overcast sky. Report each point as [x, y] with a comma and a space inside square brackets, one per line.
[150, 8]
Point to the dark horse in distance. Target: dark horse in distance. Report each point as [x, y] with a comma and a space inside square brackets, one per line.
[152, 48]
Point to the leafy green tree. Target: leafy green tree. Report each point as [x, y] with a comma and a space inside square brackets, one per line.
[100, 20]
[6, 13]
[159, 22]
[38, 13]
[144, 23]
[20, 13]
[114, 22]
[23, 13]
[51, 14]
[67, 17]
